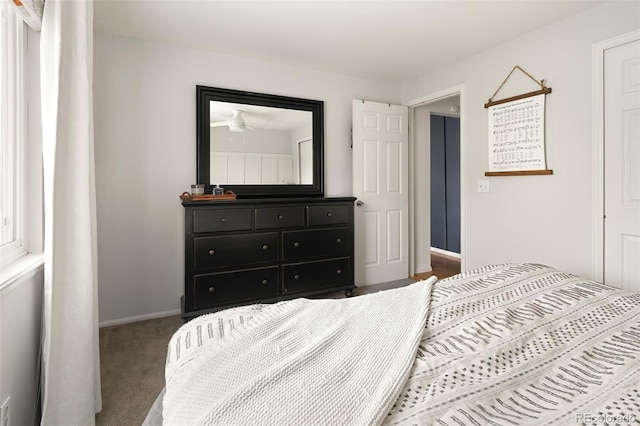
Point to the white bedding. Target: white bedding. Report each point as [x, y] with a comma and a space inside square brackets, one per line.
[296, 362]
[525, 344]
[502, 345]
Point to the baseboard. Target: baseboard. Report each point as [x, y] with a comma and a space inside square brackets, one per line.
[421, 269]
[445, 253]
[138, 318]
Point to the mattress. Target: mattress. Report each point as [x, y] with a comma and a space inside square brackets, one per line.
[502, 345]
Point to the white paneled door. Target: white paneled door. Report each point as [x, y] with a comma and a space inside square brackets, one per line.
[622, 166]
[305, 162]
[380, 183]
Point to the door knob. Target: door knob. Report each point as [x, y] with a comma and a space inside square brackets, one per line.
[359, 203]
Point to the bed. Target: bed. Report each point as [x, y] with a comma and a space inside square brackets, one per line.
[500, 345]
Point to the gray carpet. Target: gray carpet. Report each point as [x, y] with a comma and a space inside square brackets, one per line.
[132, 359]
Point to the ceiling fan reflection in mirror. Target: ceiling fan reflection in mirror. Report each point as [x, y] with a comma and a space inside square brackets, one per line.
[237, 122]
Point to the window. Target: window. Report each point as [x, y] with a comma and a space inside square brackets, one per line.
[12, 133]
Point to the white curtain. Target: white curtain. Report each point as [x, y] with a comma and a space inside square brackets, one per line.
[71, 364]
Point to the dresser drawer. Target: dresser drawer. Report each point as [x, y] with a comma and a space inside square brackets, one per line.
[279, 217]
[334, 242]
[232, 250]
[221, 220]
[327, 215]
[233, 287]
[316, 275]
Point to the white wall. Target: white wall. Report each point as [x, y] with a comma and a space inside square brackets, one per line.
[20, 319]
[544, 219]
[145, 150]
[145, 137]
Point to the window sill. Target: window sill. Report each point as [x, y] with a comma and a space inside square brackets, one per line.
[20, 268]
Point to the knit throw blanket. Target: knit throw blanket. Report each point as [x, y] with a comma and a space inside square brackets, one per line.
[298, 362]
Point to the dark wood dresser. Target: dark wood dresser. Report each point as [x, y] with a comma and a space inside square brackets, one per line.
[246, 251]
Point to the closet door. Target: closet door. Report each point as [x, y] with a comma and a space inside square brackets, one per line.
[438, 184]
[622, 166]
[445, 183]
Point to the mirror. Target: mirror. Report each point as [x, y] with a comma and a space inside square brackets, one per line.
[259, 145]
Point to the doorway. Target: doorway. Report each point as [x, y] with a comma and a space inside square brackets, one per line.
[417, 242]
[449, 102]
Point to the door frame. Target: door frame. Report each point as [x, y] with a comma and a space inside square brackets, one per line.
[457, 90]
[597, 61]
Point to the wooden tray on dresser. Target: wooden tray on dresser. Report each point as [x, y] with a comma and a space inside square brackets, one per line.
[186, 196]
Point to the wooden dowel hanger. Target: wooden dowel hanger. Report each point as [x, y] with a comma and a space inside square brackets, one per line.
[544, 90]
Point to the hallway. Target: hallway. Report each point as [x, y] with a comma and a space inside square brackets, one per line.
[443, 266]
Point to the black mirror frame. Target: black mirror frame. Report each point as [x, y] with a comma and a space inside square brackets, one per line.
[206, 94]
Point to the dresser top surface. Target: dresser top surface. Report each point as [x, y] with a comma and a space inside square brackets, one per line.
[266, 201]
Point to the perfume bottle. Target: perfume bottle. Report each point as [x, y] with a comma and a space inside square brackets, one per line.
[218, 190]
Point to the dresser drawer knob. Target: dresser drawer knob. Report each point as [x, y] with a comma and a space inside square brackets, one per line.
[212, 252]
[338, 240]
[296, 277]
[296, 244]
[280, 216]
[223, 219]
[265, 282]
[265, 247]
[329, 214]
[211, 289]
[338, 271]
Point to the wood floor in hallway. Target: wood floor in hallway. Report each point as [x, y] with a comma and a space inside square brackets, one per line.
[442, 266]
